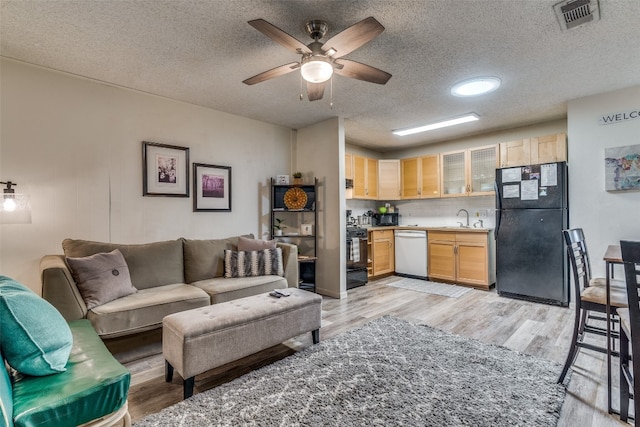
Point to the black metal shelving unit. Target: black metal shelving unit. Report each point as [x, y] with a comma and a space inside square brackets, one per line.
[293, 219]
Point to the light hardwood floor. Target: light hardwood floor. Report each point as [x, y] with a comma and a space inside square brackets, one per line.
[537, 329]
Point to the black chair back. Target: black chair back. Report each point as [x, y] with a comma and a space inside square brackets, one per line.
[631, 259]
[577, 250]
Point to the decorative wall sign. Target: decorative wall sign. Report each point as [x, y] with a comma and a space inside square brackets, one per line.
[211, 188]
[609, 119]
[165, 170]
[622, 168]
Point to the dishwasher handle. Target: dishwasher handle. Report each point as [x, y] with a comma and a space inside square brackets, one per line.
[412, 234]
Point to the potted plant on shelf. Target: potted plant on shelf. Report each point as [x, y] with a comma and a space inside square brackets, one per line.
[297, 178]
[279, 226]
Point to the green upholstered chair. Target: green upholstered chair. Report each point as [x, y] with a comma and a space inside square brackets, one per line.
[54, 373]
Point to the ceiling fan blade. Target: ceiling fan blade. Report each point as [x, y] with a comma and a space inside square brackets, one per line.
[360, 71]
[279, 36]
[272, 73]
[353, 37]
[315, 91]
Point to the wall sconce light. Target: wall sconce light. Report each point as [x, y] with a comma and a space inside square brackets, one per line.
[15, 207]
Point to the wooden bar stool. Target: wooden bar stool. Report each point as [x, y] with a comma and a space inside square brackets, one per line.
[630, 324]
[589, 298]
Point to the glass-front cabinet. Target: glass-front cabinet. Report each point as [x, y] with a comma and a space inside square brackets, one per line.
[469, 172]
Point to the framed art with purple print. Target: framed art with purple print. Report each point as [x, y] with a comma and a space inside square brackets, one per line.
[165, 170]
[211, 188]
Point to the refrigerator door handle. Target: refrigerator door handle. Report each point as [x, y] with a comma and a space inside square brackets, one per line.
[498, 208]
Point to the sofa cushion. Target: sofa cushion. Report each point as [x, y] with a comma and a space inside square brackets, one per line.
[253, 263]
[221, 289]
[102, 277]
[145, 309]
[204, 259]
[245, 244]
[94, 385]
[35, 338]
[151, 264]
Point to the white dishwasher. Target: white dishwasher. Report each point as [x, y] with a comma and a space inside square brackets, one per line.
[411, 253]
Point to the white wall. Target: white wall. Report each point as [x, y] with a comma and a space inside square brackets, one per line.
[606, 217]
[75, 146]
[320, 153]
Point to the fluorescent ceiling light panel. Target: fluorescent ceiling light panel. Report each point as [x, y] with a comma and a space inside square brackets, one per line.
[476, 86]
[472, 117]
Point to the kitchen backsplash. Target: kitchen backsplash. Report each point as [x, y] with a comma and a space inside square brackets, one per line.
[434, 212]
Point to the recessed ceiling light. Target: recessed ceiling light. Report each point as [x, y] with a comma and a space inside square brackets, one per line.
[475, 86]
[472, 117]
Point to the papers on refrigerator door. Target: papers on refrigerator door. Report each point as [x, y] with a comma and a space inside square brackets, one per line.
[548, 175]
[529, 189]
[511, 191]
[512, 175]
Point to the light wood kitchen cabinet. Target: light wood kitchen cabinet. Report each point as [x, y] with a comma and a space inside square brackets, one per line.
[389, 179]
[383, 249]
[365, 178]
[532, 151]
[469, 172]
[549, 149]
[420, 177]
[348, 166]
[461, 257]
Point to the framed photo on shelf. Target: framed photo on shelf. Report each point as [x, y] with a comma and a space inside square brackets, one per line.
[306, 229]
[282, 179]
[165, 170]
[211, 188]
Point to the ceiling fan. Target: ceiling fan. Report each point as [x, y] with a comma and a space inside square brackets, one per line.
[320, 60]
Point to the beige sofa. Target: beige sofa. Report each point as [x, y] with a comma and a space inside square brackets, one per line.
[170, 276]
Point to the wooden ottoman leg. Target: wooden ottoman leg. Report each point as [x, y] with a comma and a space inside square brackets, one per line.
[188, 387]
[315, 335]
[168, 371]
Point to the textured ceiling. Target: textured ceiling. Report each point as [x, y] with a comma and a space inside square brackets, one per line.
[200, 51]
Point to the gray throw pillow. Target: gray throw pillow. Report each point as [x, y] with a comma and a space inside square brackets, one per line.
[245, 244]
[253, 263]
[102, 277]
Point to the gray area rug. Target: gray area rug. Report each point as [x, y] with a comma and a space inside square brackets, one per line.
[390, 372]
[428, 287]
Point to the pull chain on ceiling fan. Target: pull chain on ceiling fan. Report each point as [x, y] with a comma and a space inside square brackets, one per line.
[321, 60]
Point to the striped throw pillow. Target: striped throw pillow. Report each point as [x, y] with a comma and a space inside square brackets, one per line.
[253, 263]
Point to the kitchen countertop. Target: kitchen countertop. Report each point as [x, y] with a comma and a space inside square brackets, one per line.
[430, 228]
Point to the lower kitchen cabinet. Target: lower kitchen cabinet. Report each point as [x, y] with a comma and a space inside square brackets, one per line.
[461, 257]
[382, 252]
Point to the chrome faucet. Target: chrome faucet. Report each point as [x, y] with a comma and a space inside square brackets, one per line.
[466, 212]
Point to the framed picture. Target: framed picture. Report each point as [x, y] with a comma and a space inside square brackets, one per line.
[211, 188]
[282, 179]
[165, 170]
[306, 229]
[622, 168]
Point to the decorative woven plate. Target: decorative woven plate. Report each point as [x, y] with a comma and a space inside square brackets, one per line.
[295, 198]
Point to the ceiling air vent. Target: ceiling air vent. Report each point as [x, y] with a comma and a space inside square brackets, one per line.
[574, 13]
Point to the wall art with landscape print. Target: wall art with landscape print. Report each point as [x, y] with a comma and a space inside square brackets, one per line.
[622, 168]
[211, 187]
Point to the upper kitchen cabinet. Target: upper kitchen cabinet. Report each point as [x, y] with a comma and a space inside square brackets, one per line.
[348, 166]
[536, 150]
[549, 149]
[421, 177]
[469, 172]
[365, 178]
[389, 179]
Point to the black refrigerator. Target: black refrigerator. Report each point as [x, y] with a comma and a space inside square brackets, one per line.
[531, 212]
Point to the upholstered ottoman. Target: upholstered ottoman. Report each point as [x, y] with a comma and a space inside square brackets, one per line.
[197, 340]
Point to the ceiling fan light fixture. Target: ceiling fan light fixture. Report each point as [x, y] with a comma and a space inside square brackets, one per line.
[471, 117]
[316, 69]
[475, 86]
